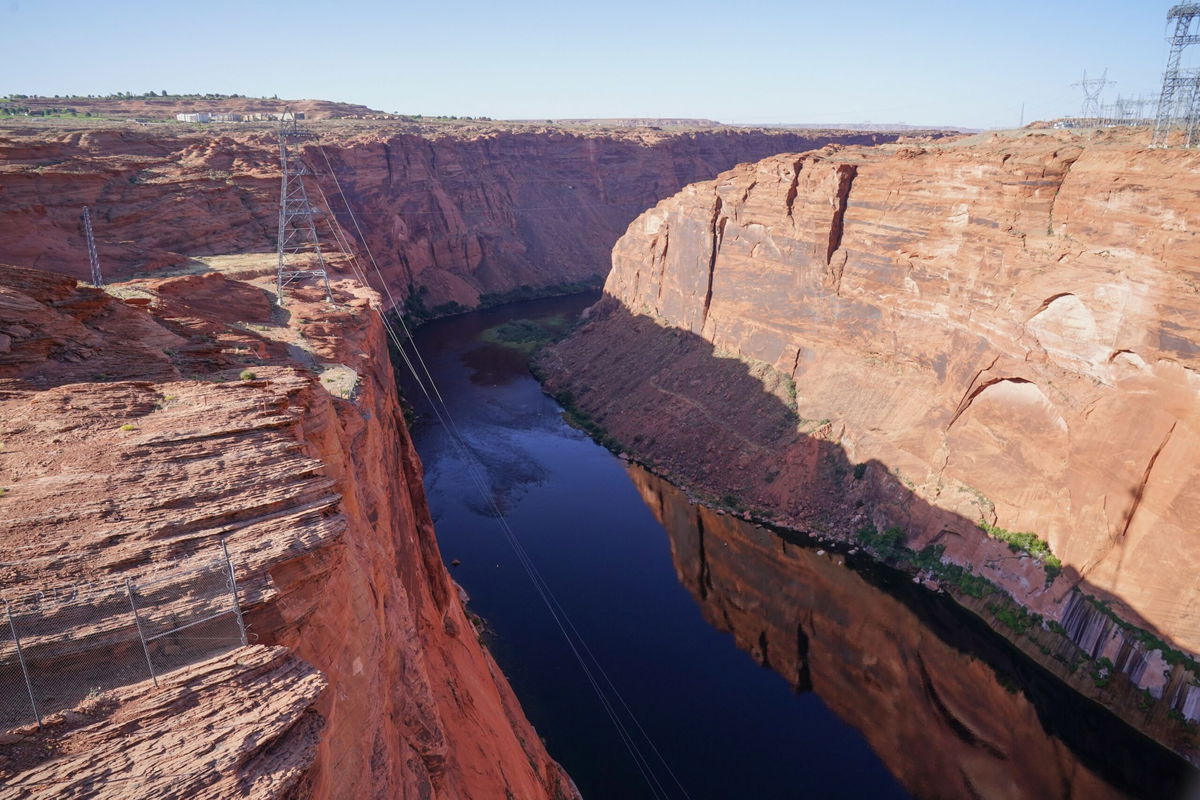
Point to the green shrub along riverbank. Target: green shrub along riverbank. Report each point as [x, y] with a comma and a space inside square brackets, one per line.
[417, 310]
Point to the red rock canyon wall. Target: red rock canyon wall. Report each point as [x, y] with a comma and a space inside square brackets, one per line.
[134, 441]
[1002, 328]
[455, 215]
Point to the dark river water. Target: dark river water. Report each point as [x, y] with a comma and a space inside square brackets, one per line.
[758, 664]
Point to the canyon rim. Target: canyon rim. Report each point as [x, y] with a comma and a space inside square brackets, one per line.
[839, 361]
[180, 410]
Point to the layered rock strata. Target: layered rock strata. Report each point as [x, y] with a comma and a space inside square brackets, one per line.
[997, 330]
[134, 441]
[449, 216]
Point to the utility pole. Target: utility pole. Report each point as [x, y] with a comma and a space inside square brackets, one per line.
[299, 254]
[1092, 88]
[93, 258]
[1179, 101]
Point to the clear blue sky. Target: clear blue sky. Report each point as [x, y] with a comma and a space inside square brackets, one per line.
[965, 63]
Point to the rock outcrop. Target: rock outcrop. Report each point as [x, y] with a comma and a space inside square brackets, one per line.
[449, 216]
[998, 330]
[134, 442]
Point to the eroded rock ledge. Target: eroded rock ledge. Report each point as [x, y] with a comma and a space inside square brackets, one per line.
[134, 440]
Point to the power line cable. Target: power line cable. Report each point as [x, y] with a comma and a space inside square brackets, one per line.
[470, 460]
[562, 620]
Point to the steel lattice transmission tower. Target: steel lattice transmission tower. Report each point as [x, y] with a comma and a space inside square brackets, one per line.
[1179, 102]
[1092, 88]
[93, 257]
[299, 248]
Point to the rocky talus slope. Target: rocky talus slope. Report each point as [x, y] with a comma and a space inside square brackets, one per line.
[930, 336]
[449, 215]
[137, 434]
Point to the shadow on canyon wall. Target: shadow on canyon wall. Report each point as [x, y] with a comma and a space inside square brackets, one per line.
[725, 427]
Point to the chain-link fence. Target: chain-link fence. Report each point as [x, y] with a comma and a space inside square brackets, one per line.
[59, 648]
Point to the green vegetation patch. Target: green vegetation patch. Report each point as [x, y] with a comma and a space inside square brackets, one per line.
[584, 421]
[1102, 671]
[1027, 543]
[528, 335]
[526, 292]
[418, 310]
[1016, 617]
[889, 545]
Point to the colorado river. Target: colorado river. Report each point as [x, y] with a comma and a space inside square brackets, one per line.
[759, 664]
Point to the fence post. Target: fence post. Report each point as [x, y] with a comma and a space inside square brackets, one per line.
[237, 607]
[12, 625]
[141, 637]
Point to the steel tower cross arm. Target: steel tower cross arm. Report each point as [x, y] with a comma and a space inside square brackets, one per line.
[1179, 100]
[1184, 10]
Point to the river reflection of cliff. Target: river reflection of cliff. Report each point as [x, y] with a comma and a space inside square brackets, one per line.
[937, 715]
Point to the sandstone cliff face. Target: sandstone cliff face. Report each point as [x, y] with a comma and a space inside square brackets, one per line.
[1000, 328]
[447, 216]
[135, 441]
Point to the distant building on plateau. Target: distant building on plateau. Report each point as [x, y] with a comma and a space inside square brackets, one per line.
[229, 116]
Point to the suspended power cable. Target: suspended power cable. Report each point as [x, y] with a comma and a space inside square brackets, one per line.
[555, 609]
[470, 461]
[589, 664]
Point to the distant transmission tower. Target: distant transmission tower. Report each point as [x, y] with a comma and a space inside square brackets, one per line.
[299, 248]
[1179, 102]
[93, 257]
[1092, 89]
